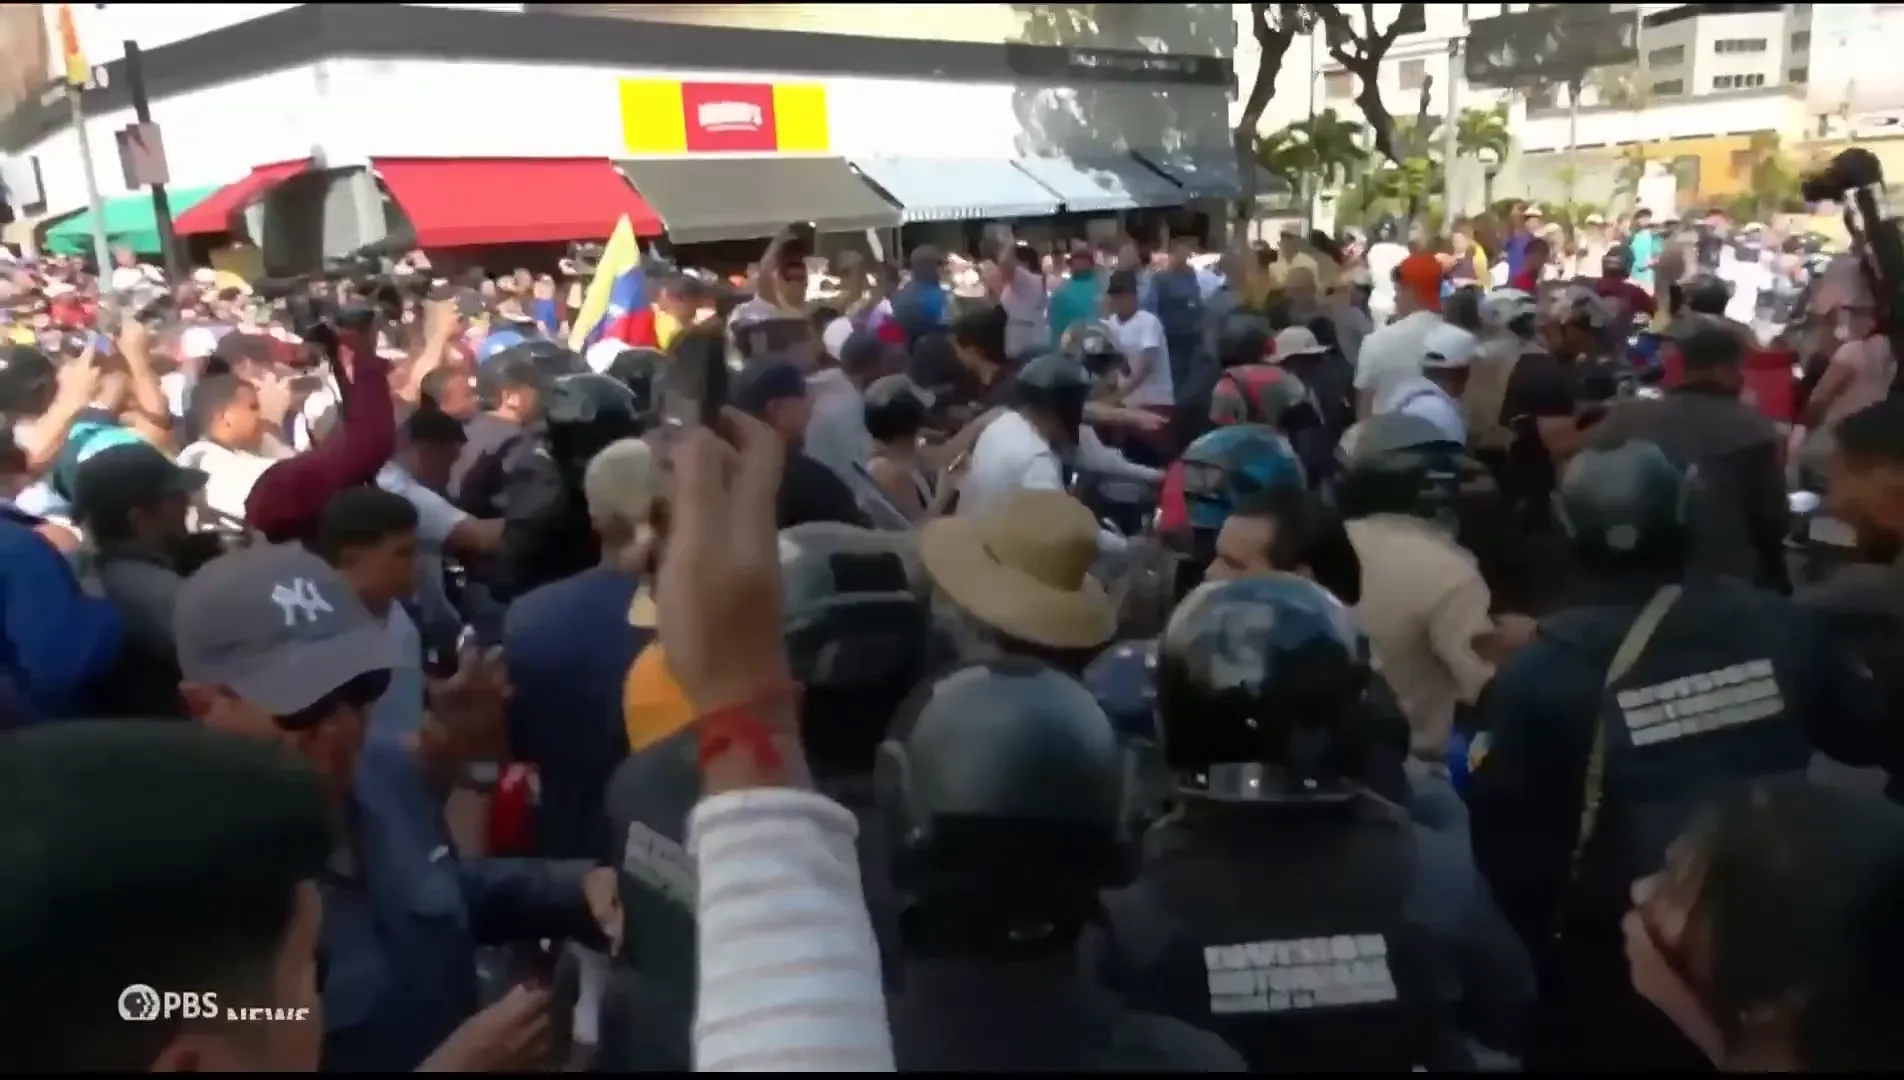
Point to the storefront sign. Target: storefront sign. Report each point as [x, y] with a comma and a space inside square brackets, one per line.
[662, 116]
[1117, 65]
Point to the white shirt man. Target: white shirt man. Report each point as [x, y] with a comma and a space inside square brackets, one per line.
[1393, 353]
[1384, 258]
[1447, 352]
[1143, 335]
[436, 518]
[229, 476]
[1011, 455]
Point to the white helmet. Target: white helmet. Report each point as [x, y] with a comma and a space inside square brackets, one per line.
[1505, 311]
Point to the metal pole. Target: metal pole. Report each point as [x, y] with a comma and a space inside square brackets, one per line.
[1573, 139]
[1450, 135]
[96, 206]
[1311, 183]
[161, 205]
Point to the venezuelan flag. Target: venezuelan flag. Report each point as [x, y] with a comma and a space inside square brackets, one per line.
[615, 305]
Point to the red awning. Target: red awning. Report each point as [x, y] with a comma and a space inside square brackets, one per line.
[456, 202]
[214, 214]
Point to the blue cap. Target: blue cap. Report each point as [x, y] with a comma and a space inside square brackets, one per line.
[497, 342]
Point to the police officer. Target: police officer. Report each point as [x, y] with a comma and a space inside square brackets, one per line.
[858, 636]
[512, 384]
[1283, 906]
[1740, 517]
[1616, 722]
[1123, 679]
[640, 371]
[1004, 794]
[546, 534]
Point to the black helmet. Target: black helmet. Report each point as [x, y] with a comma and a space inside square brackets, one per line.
[1617, 262]
[1624, 506]
[858, 636]
[1244, 338]
[1004, 794]
[584, 413]
[551, 358]
[1707, 294]
[1259, 672]
[1057, 383]
[1401, 464]
[1124, 681]
[1094, 345]
[852, 614]
[638, 370]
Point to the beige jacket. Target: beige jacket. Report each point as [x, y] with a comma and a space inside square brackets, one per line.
[1423, 605]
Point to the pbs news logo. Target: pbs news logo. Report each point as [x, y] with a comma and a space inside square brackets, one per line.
[140, 1002]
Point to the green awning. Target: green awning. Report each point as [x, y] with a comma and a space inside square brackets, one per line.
[130, 222]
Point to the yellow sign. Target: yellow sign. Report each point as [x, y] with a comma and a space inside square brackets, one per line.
[663, 116]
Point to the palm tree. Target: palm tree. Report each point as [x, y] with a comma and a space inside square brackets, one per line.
[1323, 149]
[1482, 130]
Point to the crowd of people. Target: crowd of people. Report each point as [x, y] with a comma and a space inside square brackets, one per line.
[950, 666]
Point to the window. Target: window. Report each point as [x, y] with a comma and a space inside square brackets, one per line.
[1739, 45]
[1669, 57]
[1669, 88]
[1414, 74]
[1801, 40]
[1737, 82]
[1338, 84]
[1799, 75]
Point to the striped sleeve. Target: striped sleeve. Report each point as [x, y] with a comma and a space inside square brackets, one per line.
[789, 967]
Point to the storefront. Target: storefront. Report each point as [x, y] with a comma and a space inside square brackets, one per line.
[473, 128]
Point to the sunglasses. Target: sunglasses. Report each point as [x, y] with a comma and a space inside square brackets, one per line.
[358, 693]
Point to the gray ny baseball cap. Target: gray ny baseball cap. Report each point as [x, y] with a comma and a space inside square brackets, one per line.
[277, 626]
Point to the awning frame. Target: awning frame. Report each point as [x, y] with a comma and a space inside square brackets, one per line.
[896, 174]
[1069, 176]
[713, 199]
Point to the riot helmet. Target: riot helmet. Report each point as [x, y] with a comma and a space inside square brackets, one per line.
[1259, 683]
[1058, 385]
[584, 413]
[1003, 797]
[1232, 465]
[858, 635]
[1707, 294]
[1094, 345]
[640, 371]
[1123, 679]
[1625, 508]
[1402, 464]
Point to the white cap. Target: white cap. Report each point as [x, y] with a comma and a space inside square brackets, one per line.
[1447, 348]
[197, 343]
[1297, 341]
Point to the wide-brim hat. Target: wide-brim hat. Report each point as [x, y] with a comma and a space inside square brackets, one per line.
[1023, 569]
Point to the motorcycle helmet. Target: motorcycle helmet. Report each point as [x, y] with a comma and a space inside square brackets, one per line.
[639, 370]
[1259, 680]
[1058, 384]
[1094, 345]
[1624, 507]
[1402, 464]
[1510, 311]
[1234, 465]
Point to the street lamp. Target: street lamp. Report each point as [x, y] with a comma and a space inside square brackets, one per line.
[1490, 168]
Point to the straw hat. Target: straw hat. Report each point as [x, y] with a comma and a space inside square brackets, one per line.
[1023, 568]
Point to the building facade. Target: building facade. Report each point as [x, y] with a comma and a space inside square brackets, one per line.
[347, 86]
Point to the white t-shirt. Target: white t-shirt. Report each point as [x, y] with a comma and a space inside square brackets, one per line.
[1139, 334]
[229, 477]
[1383, 260]
[436, 517]
[1024, 301]
[1009, 456]
[1393, 352]
[1417, 396]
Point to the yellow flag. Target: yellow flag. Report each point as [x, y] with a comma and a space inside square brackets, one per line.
[621, 254]
[78, 72]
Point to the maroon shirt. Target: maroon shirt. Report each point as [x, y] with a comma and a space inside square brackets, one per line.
[289, 497]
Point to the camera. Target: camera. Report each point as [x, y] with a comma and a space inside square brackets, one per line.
[1855, 179]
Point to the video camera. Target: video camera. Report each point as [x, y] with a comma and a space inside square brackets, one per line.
[1855, 179]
